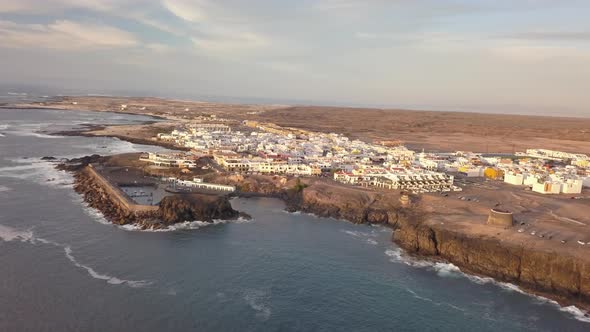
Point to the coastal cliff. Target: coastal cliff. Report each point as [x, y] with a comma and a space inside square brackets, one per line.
[357, 206]
[554, 275]
[321, 197]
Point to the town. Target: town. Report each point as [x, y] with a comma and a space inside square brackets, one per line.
[265, 148]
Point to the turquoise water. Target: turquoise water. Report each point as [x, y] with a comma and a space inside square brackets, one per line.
[63, 268]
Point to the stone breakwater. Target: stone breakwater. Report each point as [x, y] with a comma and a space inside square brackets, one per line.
[120, 210]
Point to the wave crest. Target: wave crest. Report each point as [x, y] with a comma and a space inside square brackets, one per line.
[9, 234]
[443, 269]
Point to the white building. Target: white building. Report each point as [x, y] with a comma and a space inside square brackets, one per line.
[169, 160]
[513, 178]
[547, 187]
[572, 186]
[531, 179]
[199, 184]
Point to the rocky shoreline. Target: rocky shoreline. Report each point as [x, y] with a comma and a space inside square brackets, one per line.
[87, 131]
[171, 210]
[552, 275]
[562, 278]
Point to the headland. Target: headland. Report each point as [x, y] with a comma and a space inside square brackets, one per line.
[544, 250]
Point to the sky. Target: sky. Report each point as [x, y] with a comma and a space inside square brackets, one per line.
[526, 56]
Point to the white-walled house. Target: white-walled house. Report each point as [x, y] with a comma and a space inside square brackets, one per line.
[547, 187]
[572, 186]
[513, 178]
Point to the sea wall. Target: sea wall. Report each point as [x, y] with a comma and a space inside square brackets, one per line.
[116, 207]
[555, 275]
[117, 196]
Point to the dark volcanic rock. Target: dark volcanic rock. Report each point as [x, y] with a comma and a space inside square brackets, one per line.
[191, 207]
[561, 277]
[76, 164]
[49, 158]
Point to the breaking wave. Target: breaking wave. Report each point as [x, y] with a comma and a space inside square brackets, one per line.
[4, 188]
[415, 295]
[442, 269]
[41, 172]
[369, 237]
[33, 133]
[372, 242]
[109, 279]
[187, 225]
[258, 301]
[9, 234]
[90, 211]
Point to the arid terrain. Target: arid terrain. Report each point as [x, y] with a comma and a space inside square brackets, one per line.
[542, 222]
[442, 131]
[429, 130]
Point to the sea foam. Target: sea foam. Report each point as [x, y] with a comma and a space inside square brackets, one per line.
[109, 279]
[39, 171]
[187, 225]
[258, 301]
[442, 269]
[9, 234]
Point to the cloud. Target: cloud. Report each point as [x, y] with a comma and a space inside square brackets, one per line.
[64, 35]
[136, 10]
[330, 5]
[216, 30]
[286, 67]
[535, 53]
[541, 45]
[546, 35]
[159, 47]
[52, 6]
[366, 35]
[226, 42]
[191, 11]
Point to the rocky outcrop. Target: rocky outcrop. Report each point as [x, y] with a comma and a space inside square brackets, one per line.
[321, 197]
[77, 164]
[179, 208]
[559, 276]
[347, 204]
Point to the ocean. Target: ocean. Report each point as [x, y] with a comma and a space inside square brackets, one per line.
[64, 268]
